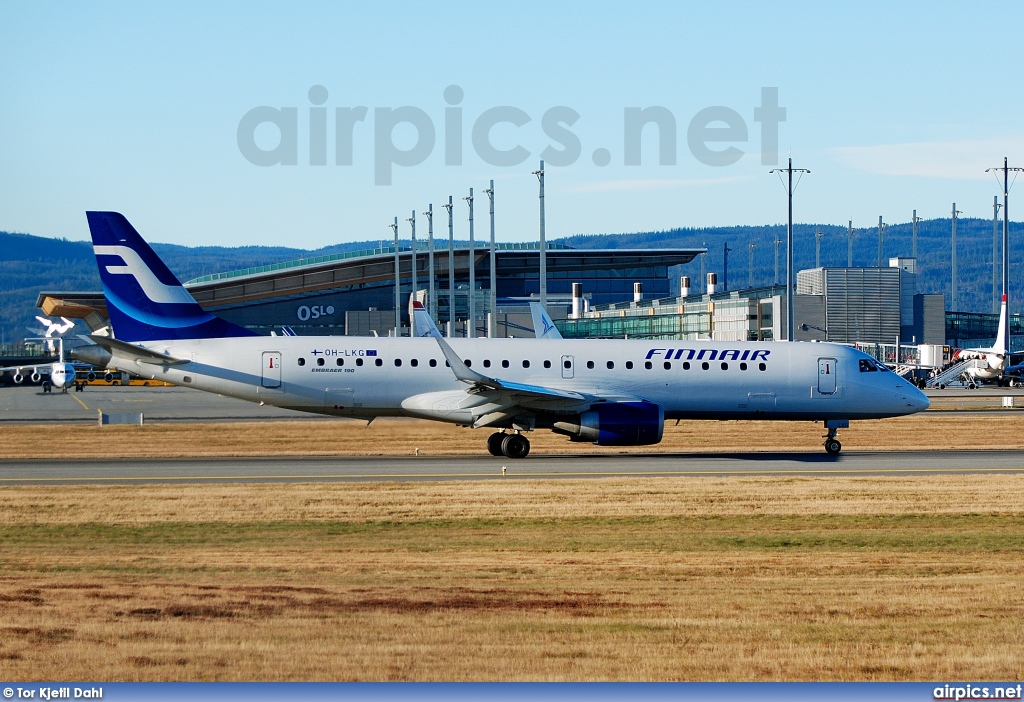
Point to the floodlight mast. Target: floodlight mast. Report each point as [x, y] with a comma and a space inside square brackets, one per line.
[471, 331]
[543, 242]
[398, 282]
[431, 302]
[451, 266]
[789, 171]
[492, 315]
[1006, 235]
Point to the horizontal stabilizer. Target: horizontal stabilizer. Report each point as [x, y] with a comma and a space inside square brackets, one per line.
[136, 353]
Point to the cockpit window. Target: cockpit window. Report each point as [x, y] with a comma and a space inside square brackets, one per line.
[867, 366]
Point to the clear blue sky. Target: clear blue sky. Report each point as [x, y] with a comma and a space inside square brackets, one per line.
[136, 107]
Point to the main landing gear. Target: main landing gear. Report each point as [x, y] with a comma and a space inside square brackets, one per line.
[508, 445]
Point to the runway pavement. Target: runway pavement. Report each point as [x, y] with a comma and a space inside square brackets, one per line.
[299, 469]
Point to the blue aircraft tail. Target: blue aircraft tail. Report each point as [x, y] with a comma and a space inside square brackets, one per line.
[144, 299]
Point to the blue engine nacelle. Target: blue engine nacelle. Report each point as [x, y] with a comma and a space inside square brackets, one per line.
[617, 424]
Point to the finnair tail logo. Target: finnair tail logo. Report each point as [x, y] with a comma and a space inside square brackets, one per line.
[136, 267]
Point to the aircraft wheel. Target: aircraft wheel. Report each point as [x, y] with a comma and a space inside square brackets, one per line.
[47, 386]
[515, 446]
[494, 442]
[833, 447]
[942, 386]
[972, 386]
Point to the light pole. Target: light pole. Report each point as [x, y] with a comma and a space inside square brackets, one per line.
[913, 238]
[953, 303]
[881, 233]
[471, 331]
[492, 315]
[1006, 236]
[789, 171]
[451, 266]
[995, 250]
[412, 318]
[750, 266]
[849, 244]
[398, 283]
[543, 243]
[431, 302]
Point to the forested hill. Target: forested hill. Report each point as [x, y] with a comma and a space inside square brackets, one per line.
[29, 264]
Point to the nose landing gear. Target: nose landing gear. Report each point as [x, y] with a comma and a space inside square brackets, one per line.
[508, 445]
[832, 445]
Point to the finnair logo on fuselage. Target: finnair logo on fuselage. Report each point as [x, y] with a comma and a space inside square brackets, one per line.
[709, 354]
[151, 286]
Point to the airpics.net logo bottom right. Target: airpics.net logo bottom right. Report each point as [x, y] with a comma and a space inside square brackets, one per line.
[969, 692]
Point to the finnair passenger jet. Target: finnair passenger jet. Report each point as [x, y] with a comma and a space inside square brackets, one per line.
[608, 392]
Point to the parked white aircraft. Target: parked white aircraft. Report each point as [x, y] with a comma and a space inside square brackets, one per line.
[609, 392]
[58, 374]
[992, 359]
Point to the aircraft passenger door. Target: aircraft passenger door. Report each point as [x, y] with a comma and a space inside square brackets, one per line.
[826, 376]
[271, 369]
[567, 369]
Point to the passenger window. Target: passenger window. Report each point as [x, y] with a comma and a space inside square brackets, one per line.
[433, 363]
[743, 366]
[567, 364]
[504, 364]
[378, 362]
[648, 365]
[867, 366]
[725, 366]
[668, 365]
[590, 365]
[629, 365]
[359, 361]
[761, 366]
[526, 364]
[414, 363]
[302, 361]
[704, 366]
[398, 362]
[686, 365]
[319, 361]
[487, 364]
[610, 364]
[340, 361]
[469, 363]
[547, 364]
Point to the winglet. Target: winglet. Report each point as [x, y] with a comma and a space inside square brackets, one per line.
[458, 366]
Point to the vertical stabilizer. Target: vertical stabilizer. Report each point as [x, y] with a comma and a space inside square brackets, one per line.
[144, 299]
[1001, 345]
[543, 327]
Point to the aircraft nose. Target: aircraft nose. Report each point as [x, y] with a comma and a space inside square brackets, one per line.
[917, 399]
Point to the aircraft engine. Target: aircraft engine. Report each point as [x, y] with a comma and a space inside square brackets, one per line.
[35, 377]
[617, 424]
[108, 376]
[18, 378]
[91, 376]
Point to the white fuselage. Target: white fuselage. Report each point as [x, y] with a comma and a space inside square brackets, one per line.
[370, 376]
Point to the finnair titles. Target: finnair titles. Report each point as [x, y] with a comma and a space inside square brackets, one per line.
[608, 392]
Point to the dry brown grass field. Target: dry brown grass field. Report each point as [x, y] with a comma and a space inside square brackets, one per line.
[745, 578]
[402, 437]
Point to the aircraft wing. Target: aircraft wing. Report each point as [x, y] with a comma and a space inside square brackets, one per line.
[509, 399]
[135, 353]
[543, 327]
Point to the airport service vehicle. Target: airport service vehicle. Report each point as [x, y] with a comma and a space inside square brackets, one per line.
[608, 392]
